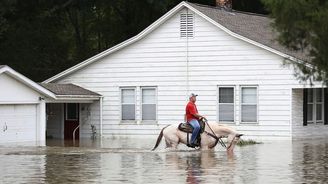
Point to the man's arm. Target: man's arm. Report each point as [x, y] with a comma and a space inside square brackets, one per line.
[198, 116]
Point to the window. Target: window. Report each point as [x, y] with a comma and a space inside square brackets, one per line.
[148, 103]
[186, 25]
[72, 111]
[315, 106]
[249, 104]
[128, 104]
[226, 104]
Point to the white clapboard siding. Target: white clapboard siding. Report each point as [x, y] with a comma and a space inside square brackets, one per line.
[214, 58]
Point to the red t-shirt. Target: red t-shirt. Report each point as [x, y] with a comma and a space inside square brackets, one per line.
[190, 110]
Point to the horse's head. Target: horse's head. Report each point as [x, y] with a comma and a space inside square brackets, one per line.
[232, 141]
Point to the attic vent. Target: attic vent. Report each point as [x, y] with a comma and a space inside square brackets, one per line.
[186, 25]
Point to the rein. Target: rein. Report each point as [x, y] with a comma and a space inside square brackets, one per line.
[217, 139]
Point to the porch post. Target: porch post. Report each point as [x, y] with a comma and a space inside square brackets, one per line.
[42, 123]
[101, 116]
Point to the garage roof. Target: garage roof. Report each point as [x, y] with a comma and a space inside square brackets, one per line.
[26, 81]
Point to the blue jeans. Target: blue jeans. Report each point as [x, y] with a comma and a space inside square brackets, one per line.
[194, 123]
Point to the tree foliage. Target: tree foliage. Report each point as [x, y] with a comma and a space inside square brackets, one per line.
[41, 38]
[303, 26]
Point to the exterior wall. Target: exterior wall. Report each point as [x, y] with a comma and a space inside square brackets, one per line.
[13, 91]
[178, 66]
[55, 120]
[89, 115]
[298, 130]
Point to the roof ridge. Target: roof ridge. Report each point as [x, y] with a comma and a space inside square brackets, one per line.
[236, 11]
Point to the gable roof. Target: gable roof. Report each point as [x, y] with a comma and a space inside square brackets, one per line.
[28, 82]
[251, 28]
[69, 90]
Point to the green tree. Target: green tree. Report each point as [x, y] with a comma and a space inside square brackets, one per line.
[41, 38]
[303, 26]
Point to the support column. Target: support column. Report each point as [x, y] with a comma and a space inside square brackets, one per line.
[41, 132]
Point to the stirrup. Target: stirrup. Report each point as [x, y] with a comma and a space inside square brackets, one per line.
[191, 145]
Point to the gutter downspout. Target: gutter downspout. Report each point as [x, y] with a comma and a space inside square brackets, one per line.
[101, 116]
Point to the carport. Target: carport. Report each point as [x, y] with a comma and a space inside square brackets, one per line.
[70, 116]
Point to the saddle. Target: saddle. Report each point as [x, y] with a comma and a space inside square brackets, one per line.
[186, 127]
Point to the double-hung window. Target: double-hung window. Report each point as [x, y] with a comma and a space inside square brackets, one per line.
[248, 104]
[128, 104]
[148, 103]
[315, 106]
[226, 104]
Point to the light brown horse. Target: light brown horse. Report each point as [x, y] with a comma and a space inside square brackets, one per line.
[173, 136]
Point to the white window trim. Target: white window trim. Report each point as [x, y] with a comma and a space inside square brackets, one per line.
[193, 25]
[156, 105]
[234, 104]
[135, 105]
[241, 103]
[314, 105]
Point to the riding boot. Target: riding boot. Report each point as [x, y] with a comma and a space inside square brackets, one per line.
[191, 145]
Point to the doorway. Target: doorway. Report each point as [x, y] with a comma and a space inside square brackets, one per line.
[71, 121]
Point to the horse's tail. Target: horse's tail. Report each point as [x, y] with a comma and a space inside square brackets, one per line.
[159, 138]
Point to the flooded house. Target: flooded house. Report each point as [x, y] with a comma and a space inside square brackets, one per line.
[230, 59]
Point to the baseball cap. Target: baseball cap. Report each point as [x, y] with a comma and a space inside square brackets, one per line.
[192, 94]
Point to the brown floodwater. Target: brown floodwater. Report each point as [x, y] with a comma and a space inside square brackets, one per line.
[131, 161]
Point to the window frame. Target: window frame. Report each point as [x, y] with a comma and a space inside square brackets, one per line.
[234, 104]
[241, 104]
[135, 105]
[314, 104]
[141, 104]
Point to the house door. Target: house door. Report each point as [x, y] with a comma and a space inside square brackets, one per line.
[71, 121]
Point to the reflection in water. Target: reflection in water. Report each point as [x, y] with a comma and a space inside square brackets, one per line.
[310, 161]
[131, 161]
[72, 167]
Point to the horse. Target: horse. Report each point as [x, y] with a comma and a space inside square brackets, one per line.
[212, 134]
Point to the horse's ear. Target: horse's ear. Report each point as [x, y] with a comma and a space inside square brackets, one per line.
[239, 135]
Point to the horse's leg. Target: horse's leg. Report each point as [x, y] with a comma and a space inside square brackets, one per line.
[172, 141]
[168, 143]
[207, 143]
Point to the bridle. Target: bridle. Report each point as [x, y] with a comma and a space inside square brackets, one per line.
[213, 135]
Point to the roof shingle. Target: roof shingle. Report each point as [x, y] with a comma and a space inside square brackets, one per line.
[252, 26]
[68, 89]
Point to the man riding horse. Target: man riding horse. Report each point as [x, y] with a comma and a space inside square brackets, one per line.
[192, 118]
[175, 134]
